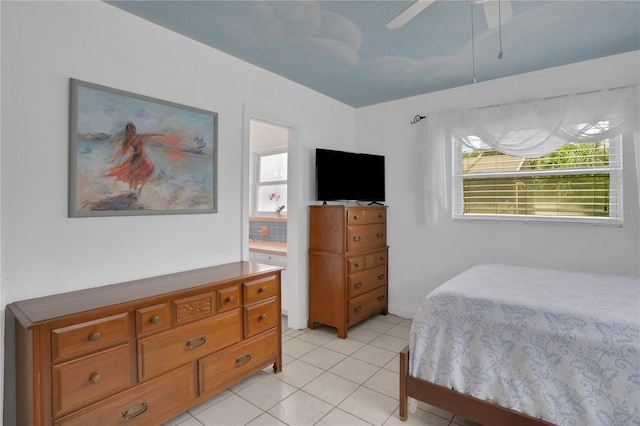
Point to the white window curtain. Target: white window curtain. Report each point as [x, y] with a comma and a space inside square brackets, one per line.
[435, 173]
[527, 129]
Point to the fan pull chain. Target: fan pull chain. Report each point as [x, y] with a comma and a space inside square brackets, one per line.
[473, 47]
[500, 55]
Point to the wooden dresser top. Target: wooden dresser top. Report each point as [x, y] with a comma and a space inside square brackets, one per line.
[42, 309]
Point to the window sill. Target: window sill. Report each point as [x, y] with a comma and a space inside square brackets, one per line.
[602, 221]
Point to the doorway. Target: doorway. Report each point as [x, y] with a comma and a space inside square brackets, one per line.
[268, 197]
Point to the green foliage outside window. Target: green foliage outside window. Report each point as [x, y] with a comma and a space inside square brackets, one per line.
[512, 192]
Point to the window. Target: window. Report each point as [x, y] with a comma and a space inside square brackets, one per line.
[271, 181]
[580, 182]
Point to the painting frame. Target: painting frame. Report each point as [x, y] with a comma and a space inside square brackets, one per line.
[131, 154]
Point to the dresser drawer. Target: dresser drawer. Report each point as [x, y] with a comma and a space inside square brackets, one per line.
[356, 264]
[220, 370]
[260, 317]
[87, 337]
[363, 282]
[162, 352]
[260, 289]
[366, 237]
[153, 319]
[150, 403]
[361, 263]
[380, 258]
[228, 298]
[363, 306]
[83, 381]
[357, 216]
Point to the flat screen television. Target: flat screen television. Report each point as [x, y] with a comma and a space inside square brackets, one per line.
[348, 176]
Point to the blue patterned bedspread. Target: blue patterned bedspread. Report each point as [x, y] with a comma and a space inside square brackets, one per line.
[557, 345]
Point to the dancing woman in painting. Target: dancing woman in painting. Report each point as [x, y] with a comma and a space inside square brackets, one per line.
[134, 167]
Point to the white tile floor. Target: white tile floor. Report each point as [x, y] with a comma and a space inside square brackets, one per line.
[325, 381]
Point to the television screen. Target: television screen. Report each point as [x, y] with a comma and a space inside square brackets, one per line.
[349, 176]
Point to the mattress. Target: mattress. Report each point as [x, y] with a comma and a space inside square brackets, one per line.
[556, 345]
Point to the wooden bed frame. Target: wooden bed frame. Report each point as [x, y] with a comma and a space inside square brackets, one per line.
[467, 406]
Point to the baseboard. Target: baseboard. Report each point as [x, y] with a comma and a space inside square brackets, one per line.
[402, 311]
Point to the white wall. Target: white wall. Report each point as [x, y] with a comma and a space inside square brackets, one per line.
[421, 258]
[43, 251]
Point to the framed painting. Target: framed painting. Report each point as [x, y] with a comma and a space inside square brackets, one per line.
[135, 155]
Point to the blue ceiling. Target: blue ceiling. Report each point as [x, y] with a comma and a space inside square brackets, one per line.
[344, 50]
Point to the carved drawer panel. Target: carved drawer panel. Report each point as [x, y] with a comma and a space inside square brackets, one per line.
[363, 282]
[153, 319]
[195, 307]
[162, 352]
[260, 289]
[85, 380]
[260, 317]
[87, 337]
[220, 370]
[147, 404]
[228, 298]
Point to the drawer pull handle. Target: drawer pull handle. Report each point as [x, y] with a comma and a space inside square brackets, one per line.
[358, 308]
[356, 217]
[357, 265]
[230, 299]
[381, 297]
[155, 320]
[262, 290]
[199, 340]
[381, 277]
[136, 411]
[358, 284]
[380, 234]
[262, 317]
[95, 378]
[357, 238]
[94, 337]
[243, 359]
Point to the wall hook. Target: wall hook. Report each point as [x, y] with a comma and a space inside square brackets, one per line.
[417, 118]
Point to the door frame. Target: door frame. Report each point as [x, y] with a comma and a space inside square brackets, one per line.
[297, 303]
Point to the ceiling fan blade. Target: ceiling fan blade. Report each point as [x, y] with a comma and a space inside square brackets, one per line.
[409, 13]
[494, 9]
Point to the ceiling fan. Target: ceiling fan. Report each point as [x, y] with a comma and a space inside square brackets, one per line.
[495, 11]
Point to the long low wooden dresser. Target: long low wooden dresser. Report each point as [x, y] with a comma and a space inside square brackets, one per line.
[144, 351]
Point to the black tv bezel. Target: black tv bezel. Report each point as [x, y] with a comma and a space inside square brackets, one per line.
[355, 173]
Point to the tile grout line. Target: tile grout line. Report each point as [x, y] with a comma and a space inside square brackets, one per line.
[295, 336]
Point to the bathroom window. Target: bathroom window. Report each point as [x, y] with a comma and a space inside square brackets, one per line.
[271, 182]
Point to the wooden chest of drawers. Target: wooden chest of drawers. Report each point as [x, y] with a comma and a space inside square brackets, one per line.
[144, 351]
[348, 268]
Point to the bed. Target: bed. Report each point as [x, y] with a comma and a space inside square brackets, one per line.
[510, 345]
